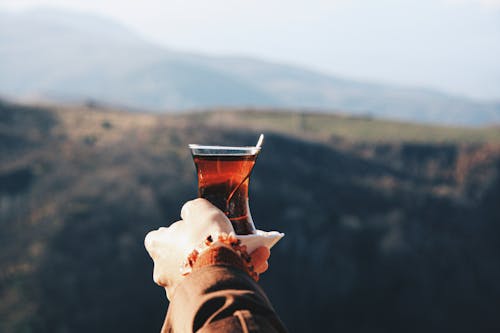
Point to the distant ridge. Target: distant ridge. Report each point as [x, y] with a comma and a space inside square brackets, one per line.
[71, 56]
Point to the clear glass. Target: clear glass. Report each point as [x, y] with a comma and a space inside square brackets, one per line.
[223, 178]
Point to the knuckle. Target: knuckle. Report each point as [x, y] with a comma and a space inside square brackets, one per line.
[156, 277]
[150, 240]
[189, 205]
[195, 205]
[159, 279]
[185, 209]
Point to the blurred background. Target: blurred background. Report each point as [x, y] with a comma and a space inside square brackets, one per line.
[381, 162]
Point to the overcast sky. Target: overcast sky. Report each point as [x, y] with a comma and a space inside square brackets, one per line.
[451, 45]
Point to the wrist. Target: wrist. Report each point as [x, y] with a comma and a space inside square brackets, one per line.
[224, 250]
[219, 255]
[215, 255]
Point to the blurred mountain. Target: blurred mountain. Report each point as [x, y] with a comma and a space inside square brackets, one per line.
[71, 56]
[390, 236]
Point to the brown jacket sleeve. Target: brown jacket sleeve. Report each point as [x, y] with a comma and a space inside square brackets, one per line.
[220, 298]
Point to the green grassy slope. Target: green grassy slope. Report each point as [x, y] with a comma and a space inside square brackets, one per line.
[325, 127]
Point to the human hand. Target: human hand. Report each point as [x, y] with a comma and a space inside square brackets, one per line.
[259, 259]
[169, 247]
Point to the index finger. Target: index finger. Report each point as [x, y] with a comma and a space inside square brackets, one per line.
[202, 211]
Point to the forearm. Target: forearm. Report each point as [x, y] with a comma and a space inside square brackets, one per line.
[220, 298]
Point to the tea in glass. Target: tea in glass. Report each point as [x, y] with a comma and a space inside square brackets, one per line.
[223, 178]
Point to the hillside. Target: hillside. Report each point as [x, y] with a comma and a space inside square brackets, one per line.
[80, 57]
[381, 235]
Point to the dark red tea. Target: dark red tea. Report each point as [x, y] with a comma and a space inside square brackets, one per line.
[223, 180]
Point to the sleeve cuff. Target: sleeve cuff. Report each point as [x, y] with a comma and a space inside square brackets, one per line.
[219, 256]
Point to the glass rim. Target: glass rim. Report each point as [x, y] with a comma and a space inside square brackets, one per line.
[223, 150]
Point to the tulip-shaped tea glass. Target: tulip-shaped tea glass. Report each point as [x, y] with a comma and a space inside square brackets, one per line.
[223, 177]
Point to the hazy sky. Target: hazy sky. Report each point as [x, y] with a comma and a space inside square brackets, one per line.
[452, 45]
